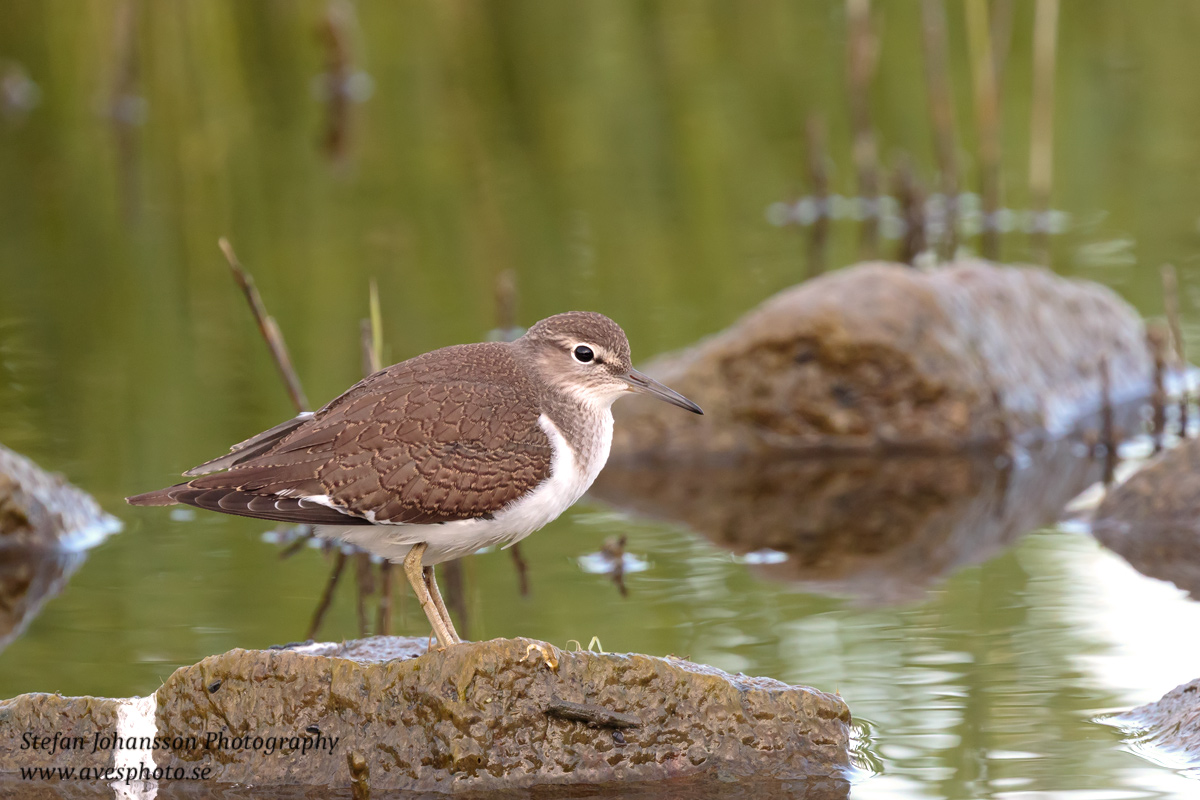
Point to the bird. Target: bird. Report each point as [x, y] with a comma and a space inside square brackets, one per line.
[443, 454]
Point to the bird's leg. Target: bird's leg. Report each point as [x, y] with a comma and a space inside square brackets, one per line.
[431, 582]
[414, 572]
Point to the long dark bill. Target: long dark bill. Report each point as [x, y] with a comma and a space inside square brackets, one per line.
[641, 383]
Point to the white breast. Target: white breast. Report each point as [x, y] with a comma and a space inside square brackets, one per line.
[569, 479]
[570, 476]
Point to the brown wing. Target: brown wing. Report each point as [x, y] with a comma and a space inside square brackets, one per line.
[449, 435]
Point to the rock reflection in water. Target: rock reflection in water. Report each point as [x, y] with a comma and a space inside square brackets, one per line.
[28, 578]
[879, 528]
[46, 524]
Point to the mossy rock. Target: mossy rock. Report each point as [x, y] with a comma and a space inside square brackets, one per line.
[475, 717]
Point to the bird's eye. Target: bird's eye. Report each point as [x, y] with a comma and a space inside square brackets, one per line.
[583, 354]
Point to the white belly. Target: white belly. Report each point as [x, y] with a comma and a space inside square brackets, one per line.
[568, 480]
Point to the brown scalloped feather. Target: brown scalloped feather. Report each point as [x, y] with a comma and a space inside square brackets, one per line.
[448, 435]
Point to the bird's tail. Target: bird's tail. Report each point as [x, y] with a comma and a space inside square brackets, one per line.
[162, 497]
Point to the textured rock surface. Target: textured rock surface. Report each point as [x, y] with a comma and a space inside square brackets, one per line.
[474, 718]
[881, 528]
[40, 715]
[881, 355]
[1152, 520]
[1170, 724]
[41, 509]
[45, 523]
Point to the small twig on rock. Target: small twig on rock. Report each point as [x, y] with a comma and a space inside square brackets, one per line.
[595, 716]
[266, 326]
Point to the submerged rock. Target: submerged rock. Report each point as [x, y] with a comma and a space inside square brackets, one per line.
[484, 716]
[881, 356]
[1169, 725]
[1152, 520]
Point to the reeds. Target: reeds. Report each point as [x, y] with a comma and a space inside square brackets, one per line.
[1170, 283]
[818, 179]
[862, 55]
[1041, 127]
[987, 121]
[941, 113]
[267, 327]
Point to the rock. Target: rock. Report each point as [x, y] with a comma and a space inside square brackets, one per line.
[1170, 725]
[43, 510]
[470, 718]
[879, 528]
[882, 356]
[1152, 520]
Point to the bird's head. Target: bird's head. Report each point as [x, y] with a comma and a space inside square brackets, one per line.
[586, 356]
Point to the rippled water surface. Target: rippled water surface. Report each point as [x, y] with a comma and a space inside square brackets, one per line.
[615, 156]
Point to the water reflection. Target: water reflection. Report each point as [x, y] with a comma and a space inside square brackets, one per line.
[1165, 551]
[46, 525]
[882, 529]
[28, 578]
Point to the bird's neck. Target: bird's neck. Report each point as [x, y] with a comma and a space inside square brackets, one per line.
[587, 428]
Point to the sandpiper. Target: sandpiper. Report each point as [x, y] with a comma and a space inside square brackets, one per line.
[437, 456]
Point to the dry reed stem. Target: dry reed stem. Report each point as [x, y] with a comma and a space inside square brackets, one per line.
[1041, 136]
[266, 326]
[862, 52]
[941, 112]
[987, 120]
[818, 177]
[1170, 282]
[339, 564]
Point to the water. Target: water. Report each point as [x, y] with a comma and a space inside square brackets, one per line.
[616, 156]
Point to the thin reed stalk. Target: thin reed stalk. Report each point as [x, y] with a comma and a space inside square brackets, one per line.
[860, 65]
[1170, 282]
[818, 178]
[1041, 137]
[987, 120]
[941, 112]
[267, 327]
